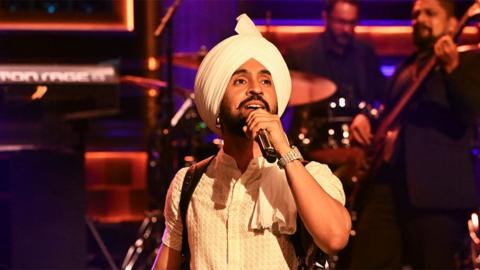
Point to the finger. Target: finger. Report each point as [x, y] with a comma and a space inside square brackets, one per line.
[255, 113]
[438, 50]
[266, 124]
[259, 117]
[449, 47]
[364, 134]
[263, 118]
[258, 122]
[357, 137]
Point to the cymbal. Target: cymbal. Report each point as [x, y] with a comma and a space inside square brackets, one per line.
[189, 60]
[144, 82]
[308, 88]
[153, 83]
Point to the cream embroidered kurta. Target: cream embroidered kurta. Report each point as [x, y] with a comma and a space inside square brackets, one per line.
[220, 214]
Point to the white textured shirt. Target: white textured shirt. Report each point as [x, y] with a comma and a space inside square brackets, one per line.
[220, 213]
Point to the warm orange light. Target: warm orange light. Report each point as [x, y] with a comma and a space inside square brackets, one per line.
[126, 23]
[109, 155]
[39, 92]
[152, 63]
[129, 15]
[117, 218]
[152, 92]
[358, 29]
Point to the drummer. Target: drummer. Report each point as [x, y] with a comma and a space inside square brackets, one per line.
[353, 67]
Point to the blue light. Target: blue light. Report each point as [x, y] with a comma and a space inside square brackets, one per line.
[51, 9]
[387, 70]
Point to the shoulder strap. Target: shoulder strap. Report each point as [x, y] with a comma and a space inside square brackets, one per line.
[190, 182]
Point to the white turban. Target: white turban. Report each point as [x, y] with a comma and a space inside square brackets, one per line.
[226, 57]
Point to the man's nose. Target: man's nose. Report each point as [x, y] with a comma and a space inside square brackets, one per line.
[254, 88]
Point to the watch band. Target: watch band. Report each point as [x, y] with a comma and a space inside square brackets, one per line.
[290, 156]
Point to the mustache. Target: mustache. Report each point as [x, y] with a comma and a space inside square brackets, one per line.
[255, 97]
[418, 27]
[423, 41]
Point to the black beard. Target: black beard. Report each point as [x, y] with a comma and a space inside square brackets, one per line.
[423, 43]
[335, 39]
[234, 124]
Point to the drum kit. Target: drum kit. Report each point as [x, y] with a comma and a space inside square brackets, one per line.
[321, 126]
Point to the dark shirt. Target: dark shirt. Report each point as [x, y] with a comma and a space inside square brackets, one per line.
[438, 133]
[357, 75]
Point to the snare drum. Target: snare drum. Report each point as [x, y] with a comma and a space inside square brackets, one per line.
[326, 125]
[324, 136]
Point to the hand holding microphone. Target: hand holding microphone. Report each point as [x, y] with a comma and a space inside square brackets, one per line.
[269, 134]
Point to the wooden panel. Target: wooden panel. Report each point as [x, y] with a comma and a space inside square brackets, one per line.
[116, 185]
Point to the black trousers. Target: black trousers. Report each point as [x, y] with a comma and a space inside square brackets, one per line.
[391, 233]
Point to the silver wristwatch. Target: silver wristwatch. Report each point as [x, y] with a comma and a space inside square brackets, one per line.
[290, 156]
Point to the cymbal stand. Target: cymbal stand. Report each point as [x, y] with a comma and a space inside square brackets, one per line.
[152, 218]
[101, 244]
[187, 104]
[148, 225]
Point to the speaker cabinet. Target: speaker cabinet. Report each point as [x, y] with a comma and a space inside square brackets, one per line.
[42, 208]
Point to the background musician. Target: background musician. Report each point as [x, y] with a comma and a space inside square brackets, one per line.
[415, 211]
[353, 67]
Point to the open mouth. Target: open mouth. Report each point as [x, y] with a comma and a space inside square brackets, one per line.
[254, 106]
[254, 103]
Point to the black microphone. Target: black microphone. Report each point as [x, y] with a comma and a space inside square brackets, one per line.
[268, 151]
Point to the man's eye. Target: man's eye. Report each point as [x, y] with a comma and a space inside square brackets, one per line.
[239, 81]
[266, 82]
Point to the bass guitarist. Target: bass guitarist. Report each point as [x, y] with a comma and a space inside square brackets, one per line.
[415, 210]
